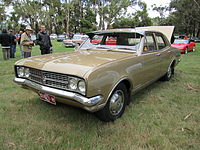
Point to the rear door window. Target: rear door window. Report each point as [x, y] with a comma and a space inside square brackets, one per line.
[160, 41]
[149, 45]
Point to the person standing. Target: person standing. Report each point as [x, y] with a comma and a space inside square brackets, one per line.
[13, 44]
[26, 42]
[20, 45]
[5, 41]
[43, 40]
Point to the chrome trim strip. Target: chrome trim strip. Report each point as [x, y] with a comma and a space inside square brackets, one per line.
[90, 104]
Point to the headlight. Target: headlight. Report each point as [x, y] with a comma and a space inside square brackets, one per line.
[20, 71]
[81, 86]
[73, 83]
[76, 84]
[26, 72]
[23, 72]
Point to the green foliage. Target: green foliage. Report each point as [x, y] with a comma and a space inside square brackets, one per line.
[184, 14]
[140, 18]
[125, 23]
[75, 15]
[88, 23]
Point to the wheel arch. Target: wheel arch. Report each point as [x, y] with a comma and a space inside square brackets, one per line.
[173, 64]
[128, 85]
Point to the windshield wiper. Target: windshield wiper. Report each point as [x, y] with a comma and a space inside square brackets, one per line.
[102, 47]
[126, 48]
[97, 48]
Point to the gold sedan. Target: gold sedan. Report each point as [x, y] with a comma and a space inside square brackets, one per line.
[102, 74]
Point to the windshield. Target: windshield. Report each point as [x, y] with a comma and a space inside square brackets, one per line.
[181, 41]
[113, 41]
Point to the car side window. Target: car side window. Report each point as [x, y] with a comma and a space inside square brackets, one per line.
[149, 45]
[161, 42]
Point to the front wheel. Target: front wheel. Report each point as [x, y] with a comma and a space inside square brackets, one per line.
[115, 106]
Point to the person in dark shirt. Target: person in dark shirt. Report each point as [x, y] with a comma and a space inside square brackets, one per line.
[43, 40]
[5, 41]
[13, 44]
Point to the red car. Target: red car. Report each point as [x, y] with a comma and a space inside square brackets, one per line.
[109, 41]
[185, 45]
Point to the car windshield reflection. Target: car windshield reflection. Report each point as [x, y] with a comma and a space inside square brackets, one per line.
[181, 41]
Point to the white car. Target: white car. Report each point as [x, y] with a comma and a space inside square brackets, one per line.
[53, 36]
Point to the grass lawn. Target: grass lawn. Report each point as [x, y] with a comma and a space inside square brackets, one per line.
[164, 116]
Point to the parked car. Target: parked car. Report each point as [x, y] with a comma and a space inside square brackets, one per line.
[195, 39]
[53, 36]
[61, 37]
[98, 39]
[185, 45]
[77, 40]
[101, 78]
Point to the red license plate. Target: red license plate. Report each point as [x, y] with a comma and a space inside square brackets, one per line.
[48, 98]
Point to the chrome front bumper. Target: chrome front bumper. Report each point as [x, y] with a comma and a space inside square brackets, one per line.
[89, 104]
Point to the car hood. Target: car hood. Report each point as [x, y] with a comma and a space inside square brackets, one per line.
[74, 63]
[179, 46]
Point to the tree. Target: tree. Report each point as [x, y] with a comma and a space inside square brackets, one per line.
[88, 22]
[142, 15]
[129, 22]
[186, 16]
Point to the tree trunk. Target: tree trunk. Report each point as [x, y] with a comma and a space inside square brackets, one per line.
[100, 22]
[194, 29]
[198, 31]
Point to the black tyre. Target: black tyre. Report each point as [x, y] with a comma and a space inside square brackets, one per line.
[169, 73]
[115, 106]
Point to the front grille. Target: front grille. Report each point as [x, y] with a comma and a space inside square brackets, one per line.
[51, 79]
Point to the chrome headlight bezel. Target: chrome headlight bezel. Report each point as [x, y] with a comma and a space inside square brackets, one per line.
[82, 86]
[22, 72]
[26, 73]
[77, 85]
[73, 83]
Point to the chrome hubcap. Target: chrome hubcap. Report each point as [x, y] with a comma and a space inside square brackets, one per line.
[116, 102]
[169, 72]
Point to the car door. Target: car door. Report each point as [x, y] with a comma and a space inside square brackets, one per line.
[151, 59]
[165, 52]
